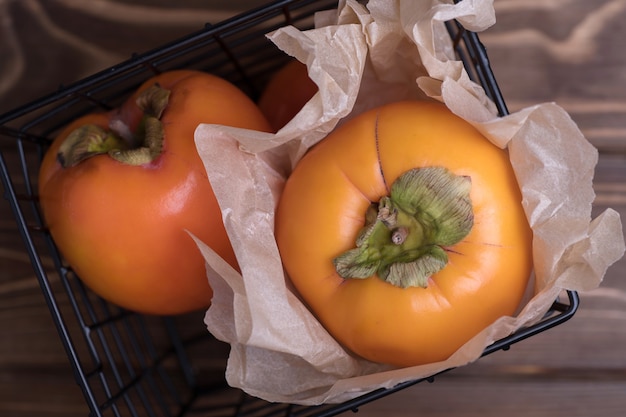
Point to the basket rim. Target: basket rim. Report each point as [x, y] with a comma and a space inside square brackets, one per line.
[142, 59]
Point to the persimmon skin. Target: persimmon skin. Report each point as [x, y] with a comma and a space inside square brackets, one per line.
[125, 229]
[288, 90]
[322, 208]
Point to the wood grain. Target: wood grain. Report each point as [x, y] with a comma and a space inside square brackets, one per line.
[567, 51]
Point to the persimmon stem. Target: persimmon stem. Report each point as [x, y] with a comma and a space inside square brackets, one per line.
[87, 141]
[145, 145]
[404, 234]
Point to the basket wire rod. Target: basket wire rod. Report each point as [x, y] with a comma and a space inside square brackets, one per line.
[240, 403]
[135, 381]
[228, 48]
[354, 404]
[159, 395]
[21, 135]
[179, 348]
[158, 359]
[503, 344]
[48, 293]
[485, 70]
[486, 77]
[111, 401]
[568, 308]
[149, 65]
[287, 15]
[151, 56]
[106, 321]
[478, 60]
[86, 96]
[49, 114]
[98, 368]
[116, 337]
[251, 406]
[31, 195]
[147, 373]
[525, 333]
[124, 389]
[156, 367]
[235, 62]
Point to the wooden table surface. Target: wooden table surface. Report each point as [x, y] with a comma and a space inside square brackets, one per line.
[567, 51]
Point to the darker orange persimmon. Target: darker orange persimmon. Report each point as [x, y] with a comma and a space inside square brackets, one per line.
[289, 89]
[126, 229]
[321, 212]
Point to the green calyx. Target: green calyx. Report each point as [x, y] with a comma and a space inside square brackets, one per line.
[137, 148]
[406, 234]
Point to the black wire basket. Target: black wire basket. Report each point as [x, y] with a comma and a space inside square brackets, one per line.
[128, 364]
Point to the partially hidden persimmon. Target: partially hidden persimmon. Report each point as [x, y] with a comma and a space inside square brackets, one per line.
[287, 91]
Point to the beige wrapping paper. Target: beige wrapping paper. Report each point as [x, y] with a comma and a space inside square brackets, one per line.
[361, 58]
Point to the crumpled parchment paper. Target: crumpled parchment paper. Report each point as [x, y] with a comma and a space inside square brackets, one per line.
[361, 58]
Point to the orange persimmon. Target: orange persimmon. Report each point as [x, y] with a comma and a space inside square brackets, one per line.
[122, 191]
[288, 90]
[404, 232]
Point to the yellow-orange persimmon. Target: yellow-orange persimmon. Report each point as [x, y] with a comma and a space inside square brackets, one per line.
[404, 233]
[121, 192]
